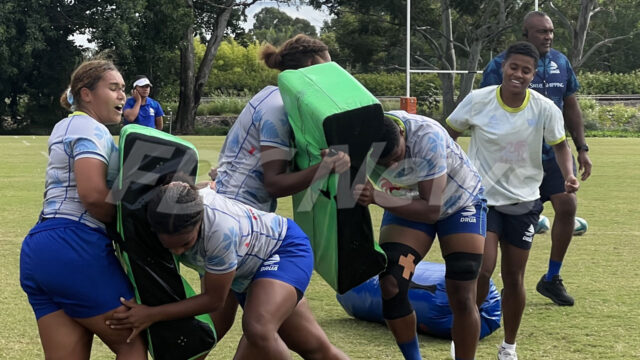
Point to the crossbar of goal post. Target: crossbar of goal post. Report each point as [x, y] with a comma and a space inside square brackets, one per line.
[408, 103]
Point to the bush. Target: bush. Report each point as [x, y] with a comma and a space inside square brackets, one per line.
[602, 83]
[222, 106]
[239, 69]
[615, 118]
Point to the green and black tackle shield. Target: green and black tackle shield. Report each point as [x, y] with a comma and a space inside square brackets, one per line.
[328, 108]
[148, 158]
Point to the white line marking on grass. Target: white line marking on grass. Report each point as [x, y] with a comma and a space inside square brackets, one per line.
[25, 142]
[44, 154]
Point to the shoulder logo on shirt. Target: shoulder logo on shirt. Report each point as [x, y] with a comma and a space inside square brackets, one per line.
[271, 264]
[528, 235]
[468, 214]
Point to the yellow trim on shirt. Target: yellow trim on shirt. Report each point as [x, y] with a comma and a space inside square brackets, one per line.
[507, 107]
[453, 127]
[398, 122]
[557, 141]
[78, 113]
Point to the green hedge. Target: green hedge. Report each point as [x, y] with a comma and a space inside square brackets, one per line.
[618, 118]
[601, 83]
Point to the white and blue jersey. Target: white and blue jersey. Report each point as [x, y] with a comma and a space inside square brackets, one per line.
[236, 237]
[431, 153]
[263, 122]
[75, 137]
[554, 78]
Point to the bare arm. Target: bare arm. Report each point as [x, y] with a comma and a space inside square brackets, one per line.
[454, 134]
[159, 123]
[426, 209]
[565, 162]
[574, 123]
[130, 115]
[139, 317]
[91, 175]
[279, 182]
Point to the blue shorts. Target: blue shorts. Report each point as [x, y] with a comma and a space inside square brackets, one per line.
[291, 263]
[516, 223]
[469, 220]
[553, 181]
[67, 265]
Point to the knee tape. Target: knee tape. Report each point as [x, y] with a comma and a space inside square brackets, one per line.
[462, 266]
[401, 264]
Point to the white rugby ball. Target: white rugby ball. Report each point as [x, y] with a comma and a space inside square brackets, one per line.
[580, 226]
[543, 225]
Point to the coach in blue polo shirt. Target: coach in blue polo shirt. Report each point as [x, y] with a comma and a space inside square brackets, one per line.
[140, 108]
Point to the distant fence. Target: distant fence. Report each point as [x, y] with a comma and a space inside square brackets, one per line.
[633, 98]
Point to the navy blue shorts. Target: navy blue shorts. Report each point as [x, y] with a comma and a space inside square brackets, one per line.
[516, 223]
[67, 265]
[553, 181]
[469, 220]
[291, 263]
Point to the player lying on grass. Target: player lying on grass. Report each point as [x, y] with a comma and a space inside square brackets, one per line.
[264, 258]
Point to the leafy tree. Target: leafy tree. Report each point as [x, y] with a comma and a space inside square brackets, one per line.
[36, 55]
[274, 26]
[434, 43]
[238, 70]
[577, 21]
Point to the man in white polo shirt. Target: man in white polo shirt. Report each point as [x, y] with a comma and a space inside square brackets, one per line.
[140, 108]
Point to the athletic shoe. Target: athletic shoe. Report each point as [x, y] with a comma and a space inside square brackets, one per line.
[504, 354]
[554, 290]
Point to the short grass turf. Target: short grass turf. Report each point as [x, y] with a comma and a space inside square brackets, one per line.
[600, 270]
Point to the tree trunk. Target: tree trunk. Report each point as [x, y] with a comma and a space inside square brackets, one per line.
[580, 31]
[210, 53]
[185, 116]
[466, 82]
[192, 85]
[448, 87]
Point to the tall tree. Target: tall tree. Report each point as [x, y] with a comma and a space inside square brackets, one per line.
[478, 25]
[581, 26]
[454, 40]
[36, 55]
[211, 18]
[274, 26]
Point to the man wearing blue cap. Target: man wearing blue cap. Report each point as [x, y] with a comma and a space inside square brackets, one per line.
[140, 108]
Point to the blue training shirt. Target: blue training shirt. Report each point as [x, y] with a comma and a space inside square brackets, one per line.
[554, 79]
[148, 112]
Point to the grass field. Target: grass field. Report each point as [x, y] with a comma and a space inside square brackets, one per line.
[600, 271]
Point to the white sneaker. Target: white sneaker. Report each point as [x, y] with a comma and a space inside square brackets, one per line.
[453, 350]
[504, 354]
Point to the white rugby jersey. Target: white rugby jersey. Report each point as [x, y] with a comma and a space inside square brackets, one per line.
[234, 236]
[75, 137]
[506, 143]
[263, 122]
[431, 153]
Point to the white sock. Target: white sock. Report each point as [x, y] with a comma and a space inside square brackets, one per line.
[510, 347]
